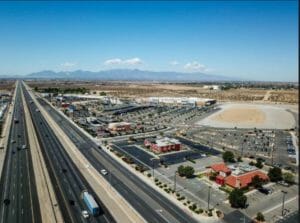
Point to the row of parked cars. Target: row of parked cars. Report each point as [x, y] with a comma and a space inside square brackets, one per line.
[290, 147]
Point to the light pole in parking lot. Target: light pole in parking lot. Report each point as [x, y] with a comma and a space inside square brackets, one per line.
[283, 199]
[175, 180]
[208, 197]
[152, 159]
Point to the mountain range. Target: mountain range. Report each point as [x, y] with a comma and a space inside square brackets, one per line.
[130, 75]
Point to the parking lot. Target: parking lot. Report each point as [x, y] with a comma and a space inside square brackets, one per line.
[259, 202]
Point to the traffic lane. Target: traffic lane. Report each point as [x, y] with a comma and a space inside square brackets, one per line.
[16, 194]
[49, 154]
[74, 184]
[59, 162]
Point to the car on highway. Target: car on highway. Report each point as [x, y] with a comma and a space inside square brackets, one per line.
[13, 141]
[85, 214]
[104, 172]
[265, 190]
[24, 146]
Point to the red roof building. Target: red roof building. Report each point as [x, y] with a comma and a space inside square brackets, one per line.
[236, 176]
[220, 167]
[243, 180]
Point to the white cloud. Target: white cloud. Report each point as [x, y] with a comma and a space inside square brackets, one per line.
[118, 61]
[113, 61]
[196, 66]
[174, 63]
[133, 61]
[68, 64]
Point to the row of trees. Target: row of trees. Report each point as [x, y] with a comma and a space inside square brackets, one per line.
[275, 174]
[62, 91]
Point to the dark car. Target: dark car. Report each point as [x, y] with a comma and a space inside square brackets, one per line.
[265, 190]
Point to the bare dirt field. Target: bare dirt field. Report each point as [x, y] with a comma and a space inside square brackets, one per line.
[251, 116]
[241, 115]
[135, 89]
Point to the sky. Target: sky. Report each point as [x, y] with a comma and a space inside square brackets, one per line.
[256, 40]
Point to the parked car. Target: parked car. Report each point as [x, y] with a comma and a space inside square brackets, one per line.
[265, 190]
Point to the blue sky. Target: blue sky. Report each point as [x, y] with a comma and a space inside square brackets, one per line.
[253, 40]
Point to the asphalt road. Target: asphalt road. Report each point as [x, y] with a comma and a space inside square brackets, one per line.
[66, 178]
[148, 202]
[19, 201]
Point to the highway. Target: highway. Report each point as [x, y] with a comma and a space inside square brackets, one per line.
[66, 178]
[19, 201]
[147, 201]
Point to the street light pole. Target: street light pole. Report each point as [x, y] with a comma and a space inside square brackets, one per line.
[175, 180]
[153, 168]
[283, 199]
[208, 197]
[110, 173]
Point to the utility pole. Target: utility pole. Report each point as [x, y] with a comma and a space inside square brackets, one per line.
[283, 199]
[110, 182]
[208, 197]
[175, 180]
[272, 154]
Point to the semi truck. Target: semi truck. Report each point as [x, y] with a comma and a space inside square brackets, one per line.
[91, 204]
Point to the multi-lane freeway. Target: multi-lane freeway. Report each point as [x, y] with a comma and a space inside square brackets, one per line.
[147, 201]
[18, 195]
[67, 180]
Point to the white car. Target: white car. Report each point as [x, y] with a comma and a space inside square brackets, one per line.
[85, 214]
[104, 172]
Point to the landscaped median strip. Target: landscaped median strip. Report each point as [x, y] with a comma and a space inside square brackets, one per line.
[122, 210]
[50, 212]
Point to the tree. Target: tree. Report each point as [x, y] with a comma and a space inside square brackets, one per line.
[102, 93]
[186, 171]
[275, 174]
[260, 217]
[237, 198]
[228, 156]
[289, 178]
[257, 182]
[259, 164]
[189, 171]
[180, 170]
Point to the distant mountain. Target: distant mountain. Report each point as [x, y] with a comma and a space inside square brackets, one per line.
[130, 75]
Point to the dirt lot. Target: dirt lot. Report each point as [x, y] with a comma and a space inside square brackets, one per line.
[6, 85]
[132, 90]
[244, 115]
[239, 114]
